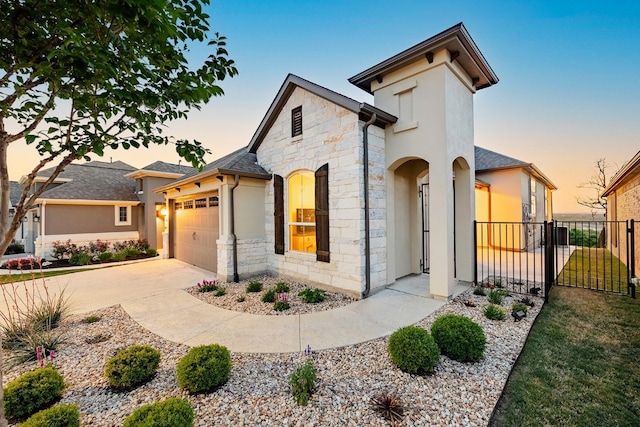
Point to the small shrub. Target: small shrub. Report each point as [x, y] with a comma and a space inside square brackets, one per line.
[220, 292]
[312, 296]
[57, 416]
[132, 367]
[459, 337]
[241, 298]
[302, 381]
[14, 248]
[132, 252]
[269, 296]
[80, 258]
[208, 286]
[91, 319]
[519, 306]
[281, 287]
[493, 312]
[281, 305]
[105, 256]
[496, 297]
[151, 252]
[32, 391]
[173, 412]
[204, 368]
[479, 290]
[254, 286]
[23, 345]
[119, 256]
[413, 350]
[389, 406]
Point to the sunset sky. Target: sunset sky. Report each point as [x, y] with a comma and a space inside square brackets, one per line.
[568, 94]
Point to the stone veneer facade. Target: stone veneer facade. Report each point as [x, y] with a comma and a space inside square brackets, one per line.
[333, 135]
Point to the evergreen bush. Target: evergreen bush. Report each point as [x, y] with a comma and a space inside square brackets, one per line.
[413, 350]
[204, 368]
[173, 412]
[459, 337]
[132, 367]
[32, 392]
[56, 416]
[493, 312]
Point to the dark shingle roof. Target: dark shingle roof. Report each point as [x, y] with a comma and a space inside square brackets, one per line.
[240, 162]
[93, 181]
[488, 160]
[15, 190]
[169, 167]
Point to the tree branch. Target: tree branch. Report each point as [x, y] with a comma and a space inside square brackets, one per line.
[36, 121]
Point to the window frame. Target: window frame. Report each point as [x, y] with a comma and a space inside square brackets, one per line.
[118, 215]
[304, 211]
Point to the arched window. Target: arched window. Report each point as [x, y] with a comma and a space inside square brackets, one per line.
[302, 212]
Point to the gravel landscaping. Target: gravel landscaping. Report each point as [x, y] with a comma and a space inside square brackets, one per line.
[257, 392]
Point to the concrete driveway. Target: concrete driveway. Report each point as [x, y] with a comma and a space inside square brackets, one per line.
[152, 294]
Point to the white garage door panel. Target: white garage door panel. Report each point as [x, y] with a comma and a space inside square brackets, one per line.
[196, 233]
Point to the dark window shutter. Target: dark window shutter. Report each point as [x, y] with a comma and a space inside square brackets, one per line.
[278, 214]
[322, 214]
[296, 121]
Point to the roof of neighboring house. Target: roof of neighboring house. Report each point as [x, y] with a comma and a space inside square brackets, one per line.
[630, 169]
[364, 110]
[241, 162]
[454, 39]
[162, 170]
[15, 190]
[92, 181]
[487, 161]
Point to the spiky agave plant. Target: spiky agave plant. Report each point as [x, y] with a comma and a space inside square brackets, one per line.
[389, 406]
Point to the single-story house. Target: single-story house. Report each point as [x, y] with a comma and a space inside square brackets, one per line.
[98, 201]
[15, 191]
[623, 204]
[509, 190]
[325, 191]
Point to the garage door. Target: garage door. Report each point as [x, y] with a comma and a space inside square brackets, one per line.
[196, 230]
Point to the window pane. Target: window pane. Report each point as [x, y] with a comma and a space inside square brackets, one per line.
[302, 238]
[123, 214]
[302, 214]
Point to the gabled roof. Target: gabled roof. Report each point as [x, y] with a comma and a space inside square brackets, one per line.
[162, 170]
[241, 162]
[454, 39]
[92, 181]
[630, 168]
[364, 110]
[15, 191]
[487, 161]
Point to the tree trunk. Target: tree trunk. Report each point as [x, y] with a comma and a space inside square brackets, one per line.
[4, 226]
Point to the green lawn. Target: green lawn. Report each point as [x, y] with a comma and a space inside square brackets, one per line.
[580, 365]
[594, 268]
[15, 278]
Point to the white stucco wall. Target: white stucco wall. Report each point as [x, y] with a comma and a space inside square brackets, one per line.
[331, 135]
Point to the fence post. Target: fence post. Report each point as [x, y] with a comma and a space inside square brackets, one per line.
[549, 269]
[475, 252]
[632, 255]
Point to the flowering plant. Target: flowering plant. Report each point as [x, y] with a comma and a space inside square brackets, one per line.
[208, 285]
[41, 355]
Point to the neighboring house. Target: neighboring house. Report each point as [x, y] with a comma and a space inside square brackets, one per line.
[152, 213]
[513, 191]
[15, 190]
[623, 204]
[325, 191]
[99, 200]
[85, 202]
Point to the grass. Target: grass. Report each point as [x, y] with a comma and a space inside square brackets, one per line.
[579, 366]
[594, 268]
[14, 278]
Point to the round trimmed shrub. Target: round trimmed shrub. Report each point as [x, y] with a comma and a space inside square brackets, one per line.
[132, 367]
[204, 368]
[57, 416]
[459, 337]
[173, 412]
[32, 392]
[413, 350]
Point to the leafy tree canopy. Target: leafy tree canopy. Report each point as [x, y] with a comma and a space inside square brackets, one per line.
[78, 76]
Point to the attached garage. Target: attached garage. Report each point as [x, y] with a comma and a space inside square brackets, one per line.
[196, 229]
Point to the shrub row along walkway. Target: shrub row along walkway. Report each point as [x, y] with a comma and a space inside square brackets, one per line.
[152, 294]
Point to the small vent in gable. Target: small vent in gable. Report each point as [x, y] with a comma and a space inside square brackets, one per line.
[296, 121]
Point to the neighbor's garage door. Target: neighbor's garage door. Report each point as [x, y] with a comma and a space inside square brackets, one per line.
[196, 231]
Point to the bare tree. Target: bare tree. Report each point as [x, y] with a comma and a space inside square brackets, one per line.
[598, 182]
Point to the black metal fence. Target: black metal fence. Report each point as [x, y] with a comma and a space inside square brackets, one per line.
[530, 257]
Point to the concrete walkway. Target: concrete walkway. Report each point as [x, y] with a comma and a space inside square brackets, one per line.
[151, 293]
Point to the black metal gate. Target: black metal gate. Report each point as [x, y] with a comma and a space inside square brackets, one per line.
[424, 196]
[530, 257]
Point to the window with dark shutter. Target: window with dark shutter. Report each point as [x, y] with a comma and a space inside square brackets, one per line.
[278, 214]
[322, 213]
[296, 121]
